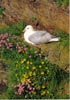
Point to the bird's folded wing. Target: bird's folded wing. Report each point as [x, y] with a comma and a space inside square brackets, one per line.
[39, 37]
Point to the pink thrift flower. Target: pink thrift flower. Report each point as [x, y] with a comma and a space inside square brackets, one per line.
[5, 36]
[19, 50]
[10, 45]
[25, 49]
[29, 81]
[30, 88]
[26, 91]
[17, 44]
[18, 85]
[20, 90]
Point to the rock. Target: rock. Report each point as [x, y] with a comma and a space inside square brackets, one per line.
[57, 54]
[42, 13]
[3, 86]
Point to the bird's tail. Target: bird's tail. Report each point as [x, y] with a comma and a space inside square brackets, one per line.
[55, 39]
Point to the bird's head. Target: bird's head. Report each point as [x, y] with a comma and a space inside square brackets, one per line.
[28, 28]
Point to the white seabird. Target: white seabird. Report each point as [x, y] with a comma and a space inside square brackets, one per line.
[35, 37]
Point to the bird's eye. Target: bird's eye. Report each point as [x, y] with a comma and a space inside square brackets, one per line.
[28, 28]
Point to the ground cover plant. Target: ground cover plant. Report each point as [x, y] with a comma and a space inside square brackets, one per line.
[30, 74]
[64, 3]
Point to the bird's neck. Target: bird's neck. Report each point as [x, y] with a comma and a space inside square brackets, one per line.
[30, 32]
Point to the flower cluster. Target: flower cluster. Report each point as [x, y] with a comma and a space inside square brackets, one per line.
[24, 88]
[32, 71]
[8, 40]
[21, 48]
[4, 41]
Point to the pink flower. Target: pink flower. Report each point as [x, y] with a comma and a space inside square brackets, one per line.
[24, 88]
[10, 45]
[29, 87]
[29, 81]
[20, 90]
[4, 36]
[19, 50]
[25, 49]
[18, 85]
[26, 91]
[6, 43]
[7, 47]
[17, 44]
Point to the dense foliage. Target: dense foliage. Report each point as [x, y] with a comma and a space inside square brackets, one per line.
[30, 74]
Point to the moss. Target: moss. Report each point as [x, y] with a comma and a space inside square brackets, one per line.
[64, 3]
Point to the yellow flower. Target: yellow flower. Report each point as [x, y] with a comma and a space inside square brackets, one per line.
[27, 67]
[33, 92]
[40, 66]
[42, 73]
[34, 73]
[22, 61]
[43, 93]
[25, 75]
[42, 62]
[48, 92]
[43, 86]
[28, 62]
[38, 87]
[33, 68]
[32, 84]
[30, 73]
[23, 80]
[31, 63]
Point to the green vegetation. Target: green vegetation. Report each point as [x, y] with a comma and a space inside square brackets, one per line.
[64, 38]
[15, 29]
[30, 74]
[33, 19]
[64, 3]
[1, 10]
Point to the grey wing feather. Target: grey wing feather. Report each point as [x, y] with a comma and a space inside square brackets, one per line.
[40, 37]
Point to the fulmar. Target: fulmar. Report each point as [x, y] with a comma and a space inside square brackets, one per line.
[35, 37]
